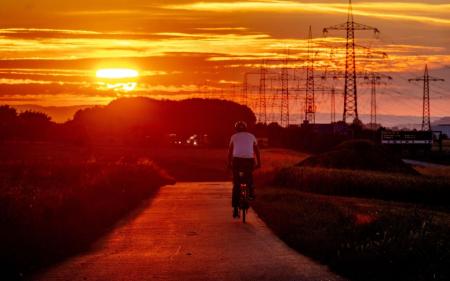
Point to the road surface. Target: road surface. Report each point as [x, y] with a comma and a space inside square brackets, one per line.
[187, 233]
[424, 164]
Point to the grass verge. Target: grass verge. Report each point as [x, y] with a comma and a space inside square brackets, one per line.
[360, 239]
[51, 209]
[429, 190]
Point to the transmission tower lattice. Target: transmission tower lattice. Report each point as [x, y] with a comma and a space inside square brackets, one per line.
[333, 105]
[285, 94]
[374, 79]
[426, 110]
[350, 88]
[262, 106]
[310, 106]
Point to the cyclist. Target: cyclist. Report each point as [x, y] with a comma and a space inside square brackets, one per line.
[241, 157]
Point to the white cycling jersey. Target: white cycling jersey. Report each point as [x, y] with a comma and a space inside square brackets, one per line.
[243, 143]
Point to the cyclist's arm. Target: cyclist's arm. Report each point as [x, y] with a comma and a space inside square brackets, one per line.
[257, 154]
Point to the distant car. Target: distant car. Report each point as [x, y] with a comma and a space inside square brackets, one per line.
[197, 140]
[193, 140]
[174, 139]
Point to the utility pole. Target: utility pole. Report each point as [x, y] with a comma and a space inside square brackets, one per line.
[237, 93]
[264, 100]
[244, 94]
[281, 98]
[350, 88]
[262, 114]
[333, 105]
[374, 79]
[284, 118]
[204, 90]
[426, 109]
[373, 102]
[310, 106]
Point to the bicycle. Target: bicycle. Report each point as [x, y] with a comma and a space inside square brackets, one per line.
[243, 205]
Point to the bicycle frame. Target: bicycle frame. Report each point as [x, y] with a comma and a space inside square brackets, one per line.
[243, 196]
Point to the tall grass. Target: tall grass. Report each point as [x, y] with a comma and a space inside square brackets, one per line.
[361, 239]
[50, 209]
[367, 184]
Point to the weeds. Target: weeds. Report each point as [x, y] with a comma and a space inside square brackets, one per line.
[50, 209]
[433, 191]
[389, 243]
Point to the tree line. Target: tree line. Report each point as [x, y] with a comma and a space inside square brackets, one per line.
[129, 121]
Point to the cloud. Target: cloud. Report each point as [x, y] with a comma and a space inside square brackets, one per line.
[56, 73]
[59, 66]
[438, 13]
[63, 99]
[222, 28]
[45, 30]
[227, 48]
[167, 88]
[23, 81]
[111, 12]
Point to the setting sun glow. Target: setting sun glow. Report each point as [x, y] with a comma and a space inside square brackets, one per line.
[118, 79]
[117, 73]
[54, 53]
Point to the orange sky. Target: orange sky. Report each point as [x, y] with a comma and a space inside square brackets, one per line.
[50, 50]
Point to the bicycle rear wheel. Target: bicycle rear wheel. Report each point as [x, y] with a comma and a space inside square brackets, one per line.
[244, 212]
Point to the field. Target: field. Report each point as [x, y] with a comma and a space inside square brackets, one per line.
[362, 239]
[427, 190]
[50, 209]
[55, 200]
[365, 225]
[184, 164]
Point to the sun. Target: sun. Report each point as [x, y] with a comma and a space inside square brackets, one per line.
[118, 79]
[117, 73]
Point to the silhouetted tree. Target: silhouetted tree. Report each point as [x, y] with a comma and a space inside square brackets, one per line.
[34, 116]
[35, 126]
[8, 121]
[7, 113]
[131, 120]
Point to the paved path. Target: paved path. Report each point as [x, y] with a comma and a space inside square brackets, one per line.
[187, 233]
[424, 164]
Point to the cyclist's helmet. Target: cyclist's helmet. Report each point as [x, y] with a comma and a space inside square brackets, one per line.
[240, 126]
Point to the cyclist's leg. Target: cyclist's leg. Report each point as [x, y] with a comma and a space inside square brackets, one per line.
[249, 166]
[235, 191]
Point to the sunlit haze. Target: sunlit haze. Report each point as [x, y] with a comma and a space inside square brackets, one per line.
[50, 50]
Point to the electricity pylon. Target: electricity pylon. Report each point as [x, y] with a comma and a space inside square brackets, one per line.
[310, 106]
[426, 110]
[350, 88]
[333, 105]
[262, 107]
[284, 110]
[374, 79]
